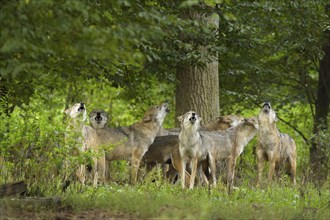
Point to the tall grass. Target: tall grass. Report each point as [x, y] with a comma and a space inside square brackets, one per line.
[155, 198]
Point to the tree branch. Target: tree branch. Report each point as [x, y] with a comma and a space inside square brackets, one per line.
[299, 132]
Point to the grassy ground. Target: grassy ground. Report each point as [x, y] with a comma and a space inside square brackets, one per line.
[161, 200]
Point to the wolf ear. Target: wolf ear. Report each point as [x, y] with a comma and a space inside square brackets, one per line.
[147, 118]
[180, 118]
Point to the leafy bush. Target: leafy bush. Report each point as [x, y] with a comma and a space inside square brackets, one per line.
[36, 145]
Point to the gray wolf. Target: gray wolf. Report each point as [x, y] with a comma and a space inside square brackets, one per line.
[133, 141]
[221, 145]
[98, 119]
[242, 134]
[190, 145]
[277, 148]
[76, 118]
[76, 114]
[167, 141]
[160, 150]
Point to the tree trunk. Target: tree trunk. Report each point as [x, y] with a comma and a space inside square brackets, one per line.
[198, 87]
[198, 90]
[319, 151]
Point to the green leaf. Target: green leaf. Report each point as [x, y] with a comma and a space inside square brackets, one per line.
[11, 45]
[213, 3]
[188, 3]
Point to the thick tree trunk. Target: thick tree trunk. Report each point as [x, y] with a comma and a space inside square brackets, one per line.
[319, 151]
[198, 87]
[198, 90]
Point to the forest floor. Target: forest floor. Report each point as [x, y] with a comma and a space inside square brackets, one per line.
[63, 215]
[33, 208]
[161, 200]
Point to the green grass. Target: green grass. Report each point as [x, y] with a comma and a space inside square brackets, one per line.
[162, 200]
[155, 198]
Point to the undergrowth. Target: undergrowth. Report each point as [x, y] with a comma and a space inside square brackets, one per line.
[168, 201]
[155, 198]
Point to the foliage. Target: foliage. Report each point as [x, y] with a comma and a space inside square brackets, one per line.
[33, 145]
[69, 39]
[76, 40]
[127, 43]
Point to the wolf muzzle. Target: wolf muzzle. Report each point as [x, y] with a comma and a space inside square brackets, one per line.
[98, 117]
[166, 105]
[193, 118]
[266, 107]
[82, 107]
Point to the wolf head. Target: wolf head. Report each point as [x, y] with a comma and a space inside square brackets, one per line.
[157, 113]
[77, 111]
[267, 114]
[98, 118]
[252, 121]
[190, 120]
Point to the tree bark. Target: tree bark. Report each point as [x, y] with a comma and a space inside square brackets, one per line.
[198, 90]
[198, 87]
[319, 151]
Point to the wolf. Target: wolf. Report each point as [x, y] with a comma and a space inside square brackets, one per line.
[167, 141]
[240, 136]
[77, 115]
[98, 120]
[277, 148]
[218, 146]
[190, 145]
[133, 141]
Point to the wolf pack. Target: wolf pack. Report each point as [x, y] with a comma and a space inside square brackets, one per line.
[190, 154]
